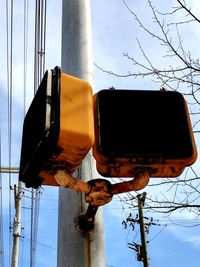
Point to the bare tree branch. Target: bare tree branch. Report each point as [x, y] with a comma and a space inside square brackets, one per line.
[183, 72]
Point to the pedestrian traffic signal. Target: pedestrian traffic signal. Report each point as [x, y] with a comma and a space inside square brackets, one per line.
[58, 128]
[139, 130]
[131, 131]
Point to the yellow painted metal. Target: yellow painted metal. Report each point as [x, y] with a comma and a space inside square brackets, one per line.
[76, 135]
[76, 119]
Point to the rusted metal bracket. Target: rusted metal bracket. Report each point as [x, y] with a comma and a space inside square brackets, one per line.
[85, 221]
[64, 178]
[139, 182]
[98, 192]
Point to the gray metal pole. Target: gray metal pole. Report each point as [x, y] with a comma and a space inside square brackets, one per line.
[75, 248]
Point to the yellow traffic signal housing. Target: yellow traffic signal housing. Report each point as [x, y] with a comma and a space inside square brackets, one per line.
[58, 128]
[138, 131]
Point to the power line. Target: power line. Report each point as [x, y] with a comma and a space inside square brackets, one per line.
[39, 68]
[25, 49]
[34, 224]
[9, 52]
[40, 30]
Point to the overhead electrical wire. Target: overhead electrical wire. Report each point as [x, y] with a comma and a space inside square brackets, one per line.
[9, 53]
[35, 219]
[40, 41]
[39, 68]
[26, 8]
[25, 49]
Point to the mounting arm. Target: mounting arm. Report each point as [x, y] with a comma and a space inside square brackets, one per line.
[98, 192]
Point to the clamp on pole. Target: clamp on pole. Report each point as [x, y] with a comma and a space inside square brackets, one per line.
[98, 192]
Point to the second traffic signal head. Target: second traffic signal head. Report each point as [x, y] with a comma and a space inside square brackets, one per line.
[142, 131]
[58, 128]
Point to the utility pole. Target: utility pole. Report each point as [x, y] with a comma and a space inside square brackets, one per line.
[141, 200]
[17, 225]
[77, 248]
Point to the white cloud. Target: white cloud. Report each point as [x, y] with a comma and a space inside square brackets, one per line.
[186, 235]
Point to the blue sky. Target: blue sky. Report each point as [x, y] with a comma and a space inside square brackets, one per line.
[114, 33]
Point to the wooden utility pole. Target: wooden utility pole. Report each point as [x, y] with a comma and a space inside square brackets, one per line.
[77, 248]
[141, 200]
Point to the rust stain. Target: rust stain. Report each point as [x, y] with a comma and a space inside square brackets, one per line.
[89, 252]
